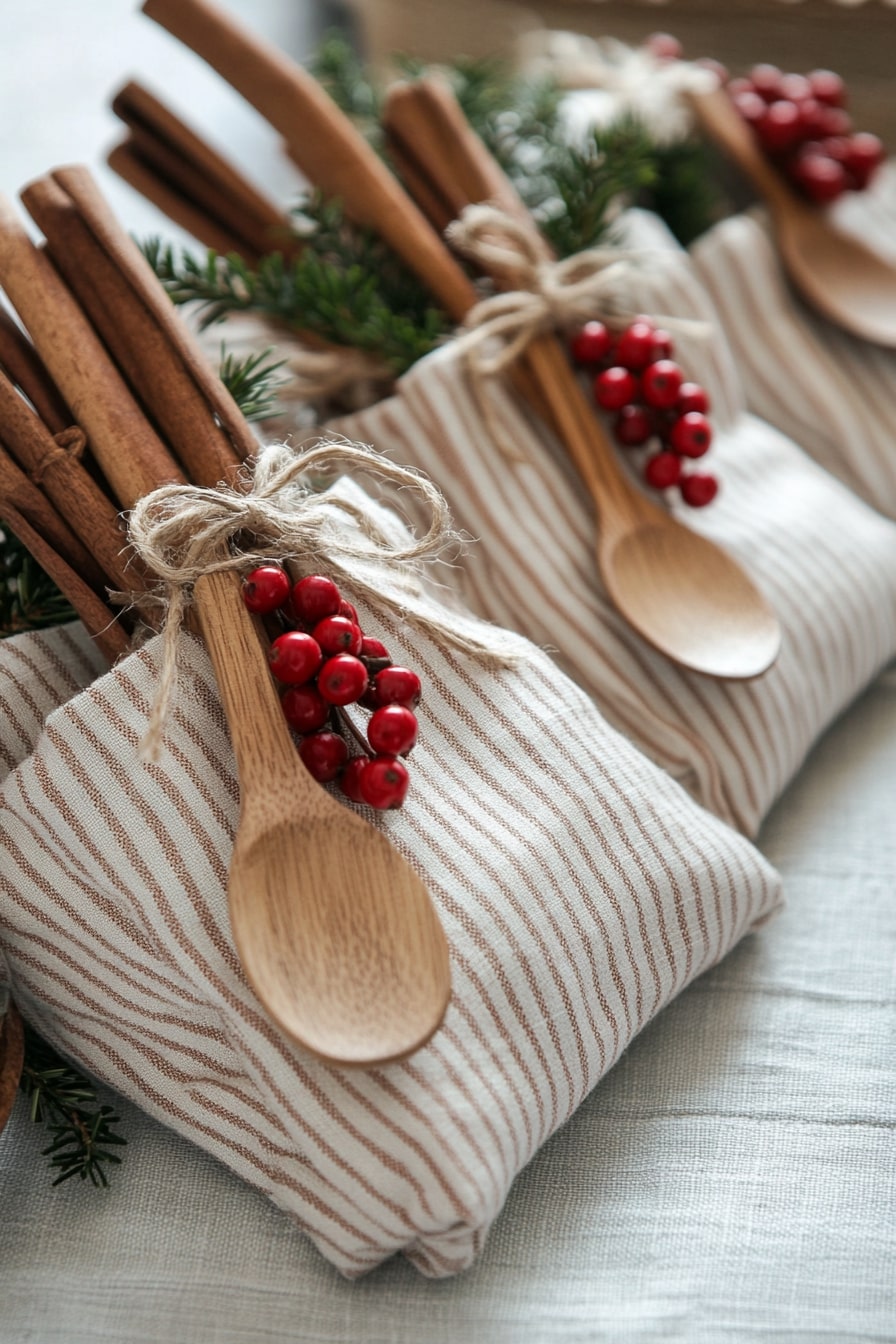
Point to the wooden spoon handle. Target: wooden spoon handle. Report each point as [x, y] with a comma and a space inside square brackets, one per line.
[721, 121]
[320, 138]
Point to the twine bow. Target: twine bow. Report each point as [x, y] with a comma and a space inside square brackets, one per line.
[547, 295]
[282, 514]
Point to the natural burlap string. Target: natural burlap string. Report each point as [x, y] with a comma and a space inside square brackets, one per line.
[282, 514]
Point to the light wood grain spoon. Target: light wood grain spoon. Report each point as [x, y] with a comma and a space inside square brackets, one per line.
[844, 280]
[685, 595]
[336, 933]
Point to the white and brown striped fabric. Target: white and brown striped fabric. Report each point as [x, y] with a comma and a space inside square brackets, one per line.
[580, 888]
[824, 558]
[831, 392]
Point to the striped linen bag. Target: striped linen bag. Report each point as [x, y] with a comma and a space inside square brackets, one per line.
[579, 886]
[824, 558]
[830, 391]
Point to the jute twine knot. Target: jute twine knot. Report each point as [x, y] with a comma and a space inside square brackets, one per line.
[547, 295]
[279, 513]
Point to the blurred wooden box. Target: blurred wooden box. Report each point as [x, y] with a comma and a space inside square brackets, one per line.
[856, 39]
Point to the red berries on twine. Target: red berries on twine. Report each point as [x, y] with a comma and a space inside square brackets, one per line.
[802, 124]
[325, 662]
[655, 408]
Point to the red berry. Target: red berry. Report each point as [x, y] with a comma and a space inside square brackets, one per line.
[692, 397]
[615, 388]
[822, 179]
[373, 648]
[660, 345]
[812, 118]
[350, 782]
[663, 470]
[294, 657]
[751, 106]
[384, 782]
[342, 679]
[699, 489]
[835, 121]
[766, 80]
[634, 346]
[633, 426]
[740, 84]
[348, 610]
[392, 730]
[660, 383]
[324, 755]
[664, 47]
[397, 686]
[827, 87]
[796, 88]
[305, 708]
[266, 589]
[779, 129]
[315, 597]
[691, 434]
[337, 634]
[591, 344]
[865, 153]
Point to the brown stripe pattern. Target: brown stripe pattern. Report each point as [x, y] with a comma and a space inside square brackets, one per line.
[823, 557]
[580, 887]
[831, 392]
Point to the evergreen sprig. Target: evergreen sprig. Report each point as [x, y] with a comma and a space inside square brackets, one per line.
[63, 1099]
[252, 381]
[29, 600]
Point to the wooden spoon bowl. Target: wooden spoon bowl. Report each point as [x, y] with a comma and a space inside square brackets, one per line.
[336, 933]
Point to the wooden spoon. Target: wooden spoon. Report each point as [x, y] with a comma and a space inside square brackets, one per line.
[843, 279]
[680, 591]
[336, 933]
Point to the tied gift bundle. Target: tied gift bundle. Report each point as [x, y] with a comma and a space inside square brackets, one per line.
[579, 886]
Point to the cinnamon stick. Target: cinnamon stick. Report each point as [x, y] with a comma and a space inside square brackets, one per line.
[199, 418]
[53, 463]
[99, 620]
[28, 371]
[199, 175]
[19, 493]
[131, 455]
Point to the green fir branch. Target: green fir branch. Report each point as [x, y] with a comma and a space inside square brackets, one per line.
[63, 1099]
[29, 599]
[252, 380]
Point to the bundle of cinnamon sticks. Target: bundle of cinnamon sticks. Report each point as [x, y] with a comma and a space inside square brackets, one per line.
[103, 396]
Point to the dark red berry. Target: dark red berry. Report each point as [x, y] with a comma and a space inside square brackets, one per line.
[350, 780]
[691, 434]
[324, 755]
[633, 426]
[751, 106]
[660, 384]
[342, 679]
[698, 489]
[835, 121]
[348, 610]
[294, 657]
[615, 388]
[266, 589]
[591, 344]
[315, 597]
[664, 47]
[779, 129]
[812, 118]
[796, 88]
[305, 708]
[397, 686]
[865, 153]
[662, 470]
[660, 345]
[373, 648]
[766, 80]
[634, 348]
[740, 84]
[692, 397]
[384, 782]
[822, 179]
[337, 634]
[827, 87]
[392, 730]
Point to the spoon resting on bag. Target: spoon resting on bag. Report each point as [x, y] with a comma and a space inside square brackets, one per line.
[836, 273]
[335, 931]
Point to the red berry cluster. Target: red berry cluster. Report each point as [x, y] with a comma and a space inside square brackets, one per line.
[802, 124]
[325, 661]
[655, 408]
